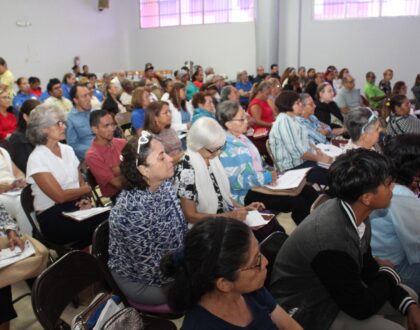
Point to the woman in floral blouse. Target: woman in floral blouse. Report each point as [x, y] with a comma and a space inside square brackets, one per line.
[145, 223]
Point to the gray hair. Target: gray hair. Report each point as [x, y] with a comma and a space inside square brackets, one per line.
[226, 111]
[205, 133]
[304, 98]
[225, 92]
[43, 116]
[358, 120]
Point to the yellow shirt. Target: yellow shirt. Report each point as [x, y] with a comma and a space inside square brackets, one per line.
[7, 79]
[62, 103]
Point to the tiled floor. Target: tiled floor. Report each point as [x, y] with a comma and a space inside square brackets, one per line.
[26, 319]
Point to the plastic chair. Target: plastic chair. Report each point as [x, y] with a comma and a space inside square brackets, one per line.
[100, 244]
[59, 284]
[27, 201]
[270, 247]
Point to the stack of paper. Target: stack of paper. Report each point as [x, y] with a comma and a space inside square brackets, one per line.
[9, 257]
[85, 214]
[330, 149]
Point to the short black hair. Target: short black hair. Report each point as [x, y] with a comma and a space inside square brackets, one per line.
[91, 75]
[284, 102]
[214, 248]
[33, 80]
[73, 90]
[403, 151]
[52, 82]
[356, 172]
[272, 66]
[95, 117]
[26, 109]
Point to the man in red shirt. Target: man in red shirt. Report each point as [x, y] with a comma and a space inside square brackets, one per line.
[103, 156]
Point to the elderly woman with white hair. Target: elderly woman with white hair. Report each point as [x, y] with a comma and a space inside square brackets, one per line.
[112, 102]
[364, 128]
[200, 180]
[57, 185]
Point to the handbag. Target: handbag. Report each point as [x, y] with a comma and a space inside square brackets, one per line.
[127, 318]
[90, 315]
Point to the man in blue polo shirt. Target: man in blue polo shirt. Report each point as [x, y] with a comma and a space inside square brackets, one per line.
[79, 134]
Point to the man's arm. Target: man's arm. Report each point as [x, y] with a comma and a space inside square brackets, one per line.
[340, 275]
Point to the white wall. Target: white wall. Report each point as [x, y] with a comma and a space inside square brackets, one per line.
[60, 30]
[361, 44]
[226, 47]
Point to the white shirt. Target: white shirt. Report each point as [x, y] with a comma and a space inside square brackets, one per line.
[6, 169]
[64, 170]
[176, 122]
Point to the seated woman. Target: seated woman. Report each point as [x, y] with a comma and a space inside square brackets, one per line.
[200, 180]
[157, 120]
[243, 166]
[203, 106]
[20, 147]
[7, 118]
[364, 129]
[112, 102]
[9, 238]
[395, 230]
[400, 120]
[244, 87]
[259, 108]
[289, 141]
[181, 113]
[57, 185]
[146, 222]
[400, 88]
[11, 181]
[327, 110]
[226, 291]
[140, 100]
[317, 131]
[23, 94]
[275, 91]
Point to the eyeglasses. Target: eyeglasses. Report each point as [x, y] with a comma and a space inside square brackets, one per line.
[5, 97]
[61, 123]
[239, 119]
[143, 139]
[256, 266]
[216, 150]
[371, 119]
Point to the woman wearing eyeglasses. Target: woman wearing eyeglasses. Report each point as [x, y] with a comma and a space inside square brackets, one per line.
[146, 222]
[57, 185]
[244, 168]
[200, 180]
[8, 122]
[218, 280]
[364, 129]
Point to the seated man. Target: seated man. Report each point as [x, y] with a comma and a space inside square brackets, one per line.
[348, 98]
[325, 272]
[56, 95]
[78, 134]
[103, 157]
[372, 92]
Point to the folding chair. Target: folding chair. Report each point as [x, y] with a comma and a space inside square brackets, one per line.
[270, 247]
[123, 120]
[59, 284]
[91, 180]
[320, 200]
[100, 244]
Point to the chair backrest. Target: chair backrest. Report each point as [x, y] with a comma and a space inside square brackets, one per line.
[270, 152]
[55, 288]
[27, 201]
[100, 243]
[320, 200]
[270, 247]
[91, 180]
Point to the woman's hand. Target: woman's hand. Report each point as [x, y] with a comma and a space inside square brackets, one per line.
[274, 176]
[84, 204]
[4, 187]
[20, 183]
[323, 157]
[238, 214]
[255, 206]
[15, 240]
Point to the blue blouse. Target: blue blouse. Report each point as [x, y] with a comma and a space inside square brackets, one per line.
[143, 227]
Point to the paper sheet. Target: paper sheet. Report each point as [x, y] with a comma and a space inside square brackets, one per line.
[254, 219]
[289, 180]
[8, 257]
[330, 149]
[85, 214]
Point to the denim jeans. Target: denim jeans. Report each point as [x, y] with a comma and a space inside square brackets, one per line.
[410, 274]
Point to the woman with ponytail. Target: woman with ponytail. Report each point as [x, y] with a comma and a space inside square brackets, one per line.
[218, 280]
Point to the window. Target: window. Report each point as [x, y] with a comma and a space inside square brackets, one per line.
[340, 9]
[159, 13]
